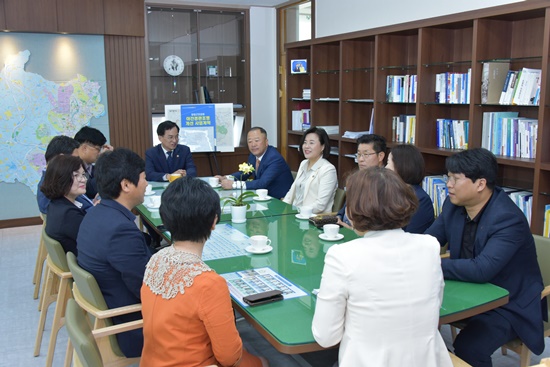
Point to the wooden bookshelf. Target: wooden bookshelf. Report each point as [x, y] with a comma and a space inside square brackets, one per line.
[353, 68]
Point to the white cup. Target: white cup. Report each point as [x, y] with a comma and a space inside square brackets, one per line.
[149, 189]
[213, 181]
[262, 193]
[259, 242]
[331, 230]
[155, 201]
[306, 211]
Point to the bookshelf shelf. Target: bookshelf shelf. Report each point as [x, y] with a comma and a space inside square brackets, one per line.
[355, 67]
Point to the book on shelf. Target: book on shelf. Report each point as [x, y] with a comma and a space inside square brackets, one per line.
[546, 230]
[452, 134]
[306, 118]
[306, 94]
[453, 87]
[524, 201]
[297, 120]
[509, 135]
[401, 88]
[404, 129]
[493, 76]
[354, 134]
[436, 188]
[527, 88]
[331, 129]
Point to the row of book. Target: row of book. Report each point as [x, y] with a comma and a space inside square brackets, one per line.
[507, 134]
[452, 134]
[436, 188]
[546, 230]
[403, 128]
[453, 87]
[401, 88]
[500, 85]
[301, 119]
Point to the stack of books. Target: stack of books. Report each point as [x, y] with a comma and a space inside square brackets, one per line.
[507, 134]
[306, 94]
[452, 134]
[521, 87]
[437, 190]
[523, 199]
[301, 119]
[331, 130]
[401, 88]
[403, 128]
[453, 87]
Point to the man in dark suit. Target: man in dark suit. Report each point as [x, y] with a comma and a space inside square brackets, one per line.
[490, 241]
[168, 157]
[271, 170]
[92, 144]
[110, 245]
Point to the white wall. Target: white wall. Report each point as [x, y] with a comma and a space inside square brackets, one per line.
[336, 17]
[263, 70]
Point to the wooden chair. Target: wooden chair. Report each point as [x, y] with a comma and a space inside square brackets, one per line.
[457, 362]
[543, 256]
[57, 288]
[543, 363]
[87, 294]
[39, 266]
[88, 353]
[339, 200]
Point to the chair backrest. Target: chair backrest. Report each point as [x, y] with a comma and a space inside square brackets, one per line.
[55, 251]
[294, 173]
[81, 336]
[339, 199]
[543, 257]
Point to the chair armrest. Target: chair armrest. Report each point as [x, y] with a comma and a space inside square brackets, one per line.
[545, 292]
[100, 314]
[117, 329]
[445, 255]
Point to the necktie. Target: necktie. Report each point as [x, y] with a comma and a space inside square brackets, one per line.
[170, 161]
[257, 165]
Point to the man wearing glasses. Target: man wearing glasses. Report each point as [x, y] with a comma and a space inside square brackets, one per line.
[92, 144]
[371, 151]
[490, 241]
[168, 157]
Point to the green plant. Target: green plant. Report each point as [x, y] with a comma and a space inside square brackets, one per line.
[245, 169]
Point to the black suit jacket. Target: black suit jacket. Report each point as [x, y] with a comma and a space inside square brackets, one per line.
[156, 165]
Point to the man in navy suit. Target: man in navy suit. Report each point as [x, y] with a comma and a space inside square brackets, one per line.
[168, 157]
[110, 245]
[490, 241]
[271, 170]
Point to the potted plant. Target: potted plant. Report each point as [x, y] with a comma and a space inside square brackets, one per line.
[238, 205]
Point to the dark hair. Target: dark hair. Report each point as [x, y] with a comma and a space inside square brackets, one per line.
[378, 199]
[408, 163]
[166, 125]
[323, 139]
[59, 176]
[60, 145]
[91, 136]
[113, 167]
[261, 129]
[188, 209]
[378, 142]
[475, 163]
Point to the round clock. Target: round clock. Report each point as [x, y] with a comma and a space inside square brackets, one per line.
[173, 65]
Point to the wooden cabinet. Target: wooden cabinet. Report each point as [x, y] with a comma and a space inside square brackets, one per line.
[353, 69]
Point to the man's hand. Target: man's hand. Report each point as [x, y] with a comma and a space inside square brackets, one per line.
[105, 148]
[227, 184]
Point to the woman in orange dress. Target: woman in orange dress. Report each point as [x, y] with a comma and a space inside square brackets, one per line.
[188, 320]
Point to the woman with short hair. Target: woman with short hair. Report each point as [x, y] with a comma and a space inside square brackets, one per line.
[380, 294]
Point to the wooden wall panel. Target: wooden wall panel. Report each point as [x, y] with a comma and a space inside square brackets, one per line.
[129, 122]
[31, 15]
[2, 15]
[80, 16]
[124, 17]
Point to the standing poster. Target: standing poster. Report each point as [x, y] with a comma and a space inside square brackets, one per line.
[204, 127]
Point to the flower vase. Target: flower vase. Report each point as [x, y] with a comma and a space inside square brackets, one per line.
[238, 214]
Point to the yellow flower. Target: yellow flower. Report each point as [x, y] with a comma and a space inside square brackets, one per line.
[246, 168]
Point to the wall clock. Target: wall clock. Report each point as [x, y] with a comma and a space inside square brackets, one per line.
[173, 65]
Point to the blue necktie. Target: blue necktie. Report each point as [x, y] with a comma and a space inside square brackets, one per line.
[170, 161]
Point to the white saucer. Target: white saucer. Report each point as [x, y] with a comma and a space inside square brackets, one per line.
[216, 186]
[257, 198]
[264, 250]
[338, 237]
[149, 193]
[152, 207]
[300, 216]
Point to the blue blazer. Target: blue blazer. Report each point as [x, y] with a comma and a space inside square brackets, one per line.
[44, 202]
[156, 165]
[423, 218]
[504, 255]
[273, 174]
[113, 250]
[63, 222]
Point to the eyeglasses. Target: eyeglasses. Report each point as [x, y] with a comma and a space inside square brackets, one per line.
[98, 148]
[172, 137]
[451, 179]
[80, 176]
[364, 155]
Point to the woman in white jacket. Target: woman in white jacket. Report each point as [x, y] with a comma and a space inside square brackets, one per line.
[316, 181]
[380, 294]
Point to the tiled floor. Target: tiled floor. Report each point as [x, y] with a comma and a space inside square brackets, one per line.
[19, 316]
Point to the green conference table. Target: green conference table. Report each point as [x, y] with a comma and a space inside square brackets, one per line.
[298, 255]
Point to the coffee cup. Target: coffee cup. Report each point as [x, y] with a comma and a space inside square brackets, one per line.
[262, 193]
[306, 211]
[331, 230]
[174, 176]
[149, 189]
[155, 201]
[259, 242]
[213, 181]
